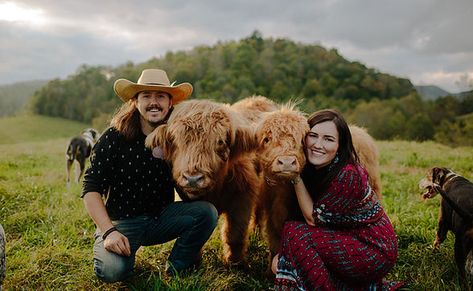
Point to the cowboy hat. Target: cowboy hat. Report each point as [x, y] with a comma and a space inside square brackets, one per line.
[152, 80]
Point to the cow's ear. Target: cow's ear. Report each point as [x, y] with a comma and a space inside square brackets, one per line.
[245, 141]
[158, 138]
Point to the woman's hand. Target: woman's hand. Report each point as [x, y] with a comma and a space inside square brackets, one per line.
[274, 264]
[117, 243]
[306, 204]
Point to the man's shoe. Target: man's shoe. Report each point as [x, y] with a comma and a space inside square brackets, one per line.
[173, 272]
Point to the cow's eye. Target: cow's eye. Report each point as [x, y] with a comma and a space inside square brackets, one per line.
[266, 140]
[220, 142]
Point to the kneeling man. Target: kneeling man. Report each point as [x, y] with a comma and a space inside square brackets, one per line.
[129, 192]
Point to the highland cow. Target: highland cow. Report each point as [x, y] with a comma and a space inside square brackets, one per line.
[209, 147]
[253, 107]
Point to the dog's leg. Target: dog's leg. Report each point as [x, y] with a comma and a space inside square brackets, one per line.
[443, 227]
[460, 259]
[68, 171]
[82, 167]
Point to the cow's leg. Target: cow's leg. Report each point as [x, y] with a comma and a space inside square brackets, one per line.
[274, 226]
[235, 235]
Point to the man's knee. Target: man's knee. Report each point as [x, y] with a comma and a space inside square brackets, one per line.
[208, 213]
[113, 270]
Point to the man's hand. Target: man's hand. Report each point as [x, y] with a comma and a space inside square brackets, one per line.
[118, 244]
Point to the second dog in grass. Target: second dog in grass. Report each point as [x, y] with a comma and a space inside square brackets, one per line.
[79, 150]
[456, 214]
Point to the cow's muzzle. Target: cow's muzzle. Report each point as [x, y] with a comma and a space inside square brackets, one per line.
[193, 181]
[285, 165]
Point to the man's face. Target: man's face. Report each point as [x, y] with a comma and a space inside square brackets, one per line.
[153, 106]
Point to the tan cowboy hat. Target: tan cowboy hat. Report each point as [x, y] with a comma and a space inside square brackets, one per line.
[152, 80]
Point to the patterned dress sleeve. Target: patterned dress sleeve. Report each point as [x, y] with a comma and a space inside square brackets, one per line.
[348, 201]
[97, 175]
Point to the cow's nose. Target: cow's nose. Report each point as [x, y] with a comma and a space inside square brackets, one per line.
[286, 163]
[193, 180]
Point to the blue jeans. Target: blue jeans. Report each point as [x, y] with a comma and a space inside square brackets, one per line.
[191, 223]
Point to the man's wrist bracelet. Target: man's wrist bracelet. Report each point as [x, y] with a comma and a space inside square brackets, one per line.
[109, 231]
[296, 180]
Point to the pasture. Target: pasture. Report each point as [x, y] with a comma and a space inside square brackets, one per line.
[49, 234]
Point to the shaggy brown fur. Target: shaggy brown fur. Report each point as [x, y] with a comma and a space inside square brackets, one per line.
[209, 146]
[367, 151]
[252, 107]
[281, 157]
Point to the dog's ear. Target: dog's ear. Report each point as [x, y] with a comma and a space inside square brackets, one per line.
[95, 134]
[438, 174]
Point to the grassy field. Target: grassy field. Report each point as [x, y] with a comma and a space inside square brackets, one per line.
[49, 235]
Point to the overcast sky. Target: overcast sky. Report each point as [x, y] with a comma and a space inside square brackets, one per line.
[427, 41]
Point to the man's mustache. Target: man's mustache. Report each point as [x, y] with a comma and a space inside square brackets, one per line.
[151, 107]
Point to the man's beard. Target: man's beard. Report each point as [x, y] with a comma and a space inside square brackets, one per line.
[162, 121]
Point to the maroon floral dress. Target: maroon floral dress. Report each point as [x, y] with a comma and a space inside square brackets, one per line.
[351, 247]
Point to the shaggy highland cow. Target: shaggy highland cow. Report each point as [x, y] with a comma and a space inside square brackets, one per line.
[281, 158]
[253, 107]
[209, 147]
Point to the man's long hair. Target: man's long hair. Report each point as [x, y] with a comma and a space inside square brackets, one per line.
[127, 120]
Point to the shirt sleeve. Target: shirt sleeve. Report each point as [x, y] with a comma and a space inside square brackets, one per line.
[97, 175]
[348, 200]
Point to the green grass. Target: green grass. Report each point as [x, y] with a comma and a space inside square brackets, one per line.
[49, 235]
[30, 128]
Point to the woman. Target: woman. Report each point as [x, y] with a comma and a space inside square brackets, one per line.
[346, 241]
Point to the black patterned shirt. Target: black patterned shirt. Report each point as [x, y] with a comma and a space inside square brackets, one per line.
[132, 180]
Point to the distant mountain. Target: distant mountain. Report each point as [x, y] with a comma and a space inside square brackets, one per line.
[463, 95]
[429, 92]
[13, 97]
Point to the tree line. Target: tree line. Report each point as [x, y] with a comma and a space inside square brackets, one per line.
[282, 70]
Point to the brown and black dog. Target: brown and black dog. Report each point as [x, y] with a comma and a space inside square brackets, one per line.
[79, 150]
[456, 213]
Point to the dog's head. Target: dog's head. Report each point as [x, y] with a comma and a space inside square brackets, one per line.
[436, 177]
[92, 135]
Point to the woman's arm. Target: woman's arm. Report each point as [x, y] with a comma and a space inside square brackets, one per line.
[305, 201]
[348, 200]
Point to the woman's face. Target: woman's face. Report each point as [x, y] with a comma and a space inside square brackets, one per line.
[321, 144]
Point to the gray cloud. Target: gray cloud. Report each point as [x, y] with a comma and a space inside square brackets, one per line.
[426, 40]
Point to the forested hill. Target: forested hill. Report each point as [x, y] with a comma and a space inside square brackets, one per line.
[228, 71]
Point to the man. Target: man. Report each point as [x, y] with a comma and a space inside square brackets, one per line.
[129, 193]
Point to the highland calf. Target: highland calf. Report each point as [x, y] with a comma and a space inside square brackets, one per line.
[209, 147]
[253, 107]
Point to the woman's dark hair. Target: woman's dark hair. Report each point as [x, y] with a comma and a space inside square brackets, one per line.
[345, 153]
